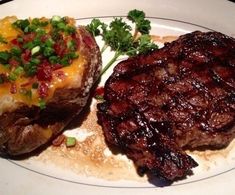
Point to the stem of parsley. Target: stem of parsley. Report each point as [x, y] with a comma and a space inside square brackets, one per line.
[107, 66]
[135, 34]
[104, 48]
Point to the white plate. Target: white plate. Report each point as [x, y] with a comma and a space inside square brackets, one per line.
[43, 175]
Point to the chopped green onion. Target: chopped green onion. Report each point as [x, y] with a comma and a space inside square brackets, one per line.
[28, 45]
[4, 57]
[65, 61]
[35, 61]
[40, 31]
[21, 24]
[15, 73]
[16, 51]
[71, 45]
[35, 21]
[42, 104]
[70, 141]
[49, 42]
[73, 55]
[54, 59]
[27, 29]
[19, 70]
[30, 69]
[56, 19]
[12, 76]
[70, 30]
[48, 51]
[55, 34]
[61, 26]
[35, 50]
[99, 97]
[39, 23]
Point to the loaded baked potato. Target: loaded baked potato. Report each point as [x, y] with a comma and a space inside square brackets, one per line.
[47, 69]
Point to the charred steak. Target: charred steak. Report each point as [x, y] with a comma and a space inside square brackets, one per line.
[180, 96]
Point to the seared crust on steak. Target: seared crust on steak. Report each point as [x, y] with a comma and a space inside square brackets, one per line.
[27, 128]
[182, 95]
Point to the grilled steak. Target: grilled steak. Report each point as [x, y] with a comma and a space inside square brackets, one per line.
[180, 96]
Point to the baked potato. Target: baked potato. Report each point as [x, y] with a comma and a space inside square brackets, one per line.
[47, 69]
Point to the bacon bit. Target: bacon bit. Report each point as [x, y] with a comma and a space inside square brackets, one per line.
[25, 84]
[76, 39]
[3, 78]
[60, 48]
[44, 38]
[13, 88]
[26, 55]
[43, 89]
[99, 94]
[99, 91]
[56, 66]
[15, 42]
[29, 37]
[13, 62]
[88, 41]
[44, 72]
[60, 74]
[59, 140]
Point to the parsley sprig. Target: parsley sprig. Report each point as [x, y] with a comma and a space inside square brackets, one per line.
[119, 36]
[142, 25]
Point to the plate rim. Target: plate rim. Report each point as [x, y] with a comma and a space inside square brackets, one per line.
[128, 187]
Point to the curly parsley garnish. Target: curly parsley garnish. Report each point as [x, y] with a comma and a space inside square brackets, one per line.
[119, 36]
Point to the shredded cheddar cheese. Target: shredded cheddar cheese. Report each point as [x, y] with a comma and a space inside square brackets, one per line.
[19, 89]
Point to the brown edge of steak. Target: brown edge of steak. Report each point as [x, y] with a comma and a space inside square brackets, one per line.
[182, 95]
[25, 129]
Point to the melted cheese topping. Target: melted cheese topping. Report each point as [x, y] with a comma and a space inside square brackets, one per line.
[7, 32]
[71, 75]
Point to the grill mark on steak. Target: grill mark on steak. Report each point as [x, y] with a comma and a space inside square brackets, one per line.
[180, 96]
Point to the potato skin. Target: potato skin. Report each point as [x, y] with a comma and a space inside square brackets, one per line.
[27, 128]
